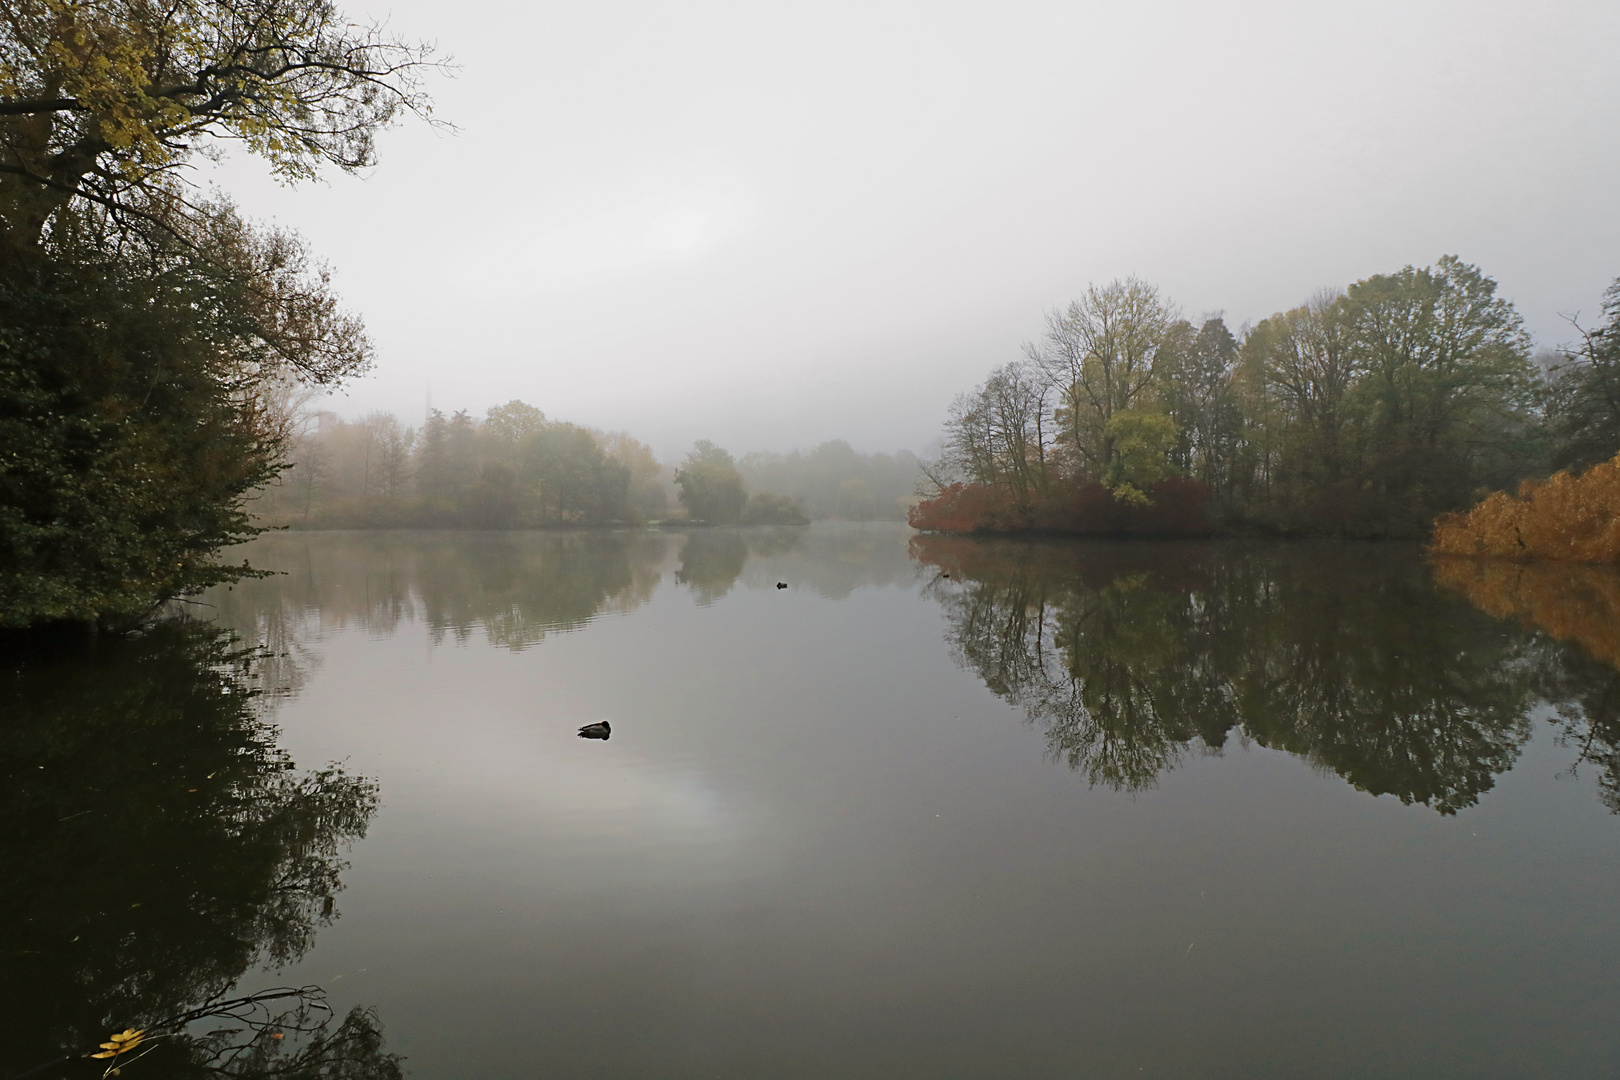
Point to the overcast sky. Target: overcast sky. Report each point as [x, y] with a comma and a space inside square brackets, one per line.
[773, 224]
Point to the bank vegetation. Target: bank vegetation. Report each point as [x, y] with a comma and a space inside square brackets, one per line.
[1367, 412]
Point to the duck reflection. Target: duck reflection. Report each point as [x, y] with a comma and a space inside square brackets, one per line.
[158, 844]
[1132, 657]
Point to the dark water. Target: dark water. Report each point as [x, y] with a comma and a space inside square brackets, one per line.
[940, 808]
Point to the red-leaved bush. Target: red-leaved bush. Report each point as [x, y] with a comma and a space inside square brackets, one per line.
[1086, 508]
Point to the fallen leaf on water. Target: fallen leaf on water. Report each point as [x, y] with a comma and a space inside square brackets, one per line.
[121, 1042]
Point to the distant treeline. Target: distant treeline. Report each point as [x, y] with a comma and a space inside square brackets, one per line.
[517, 468]
[835, 481]
[1367, 412]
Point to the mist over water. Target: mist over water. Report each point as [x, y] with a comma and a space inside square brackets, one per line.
[938, 807]
[738, 585]
[771, 227]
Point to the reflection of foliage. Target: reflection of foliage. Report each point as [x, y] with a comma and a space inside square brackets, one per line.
[1131, 657]
[711, 562]
[352, 1050]
[1586, 693]
[156, 841]
[246, 1037]
[1570, 603]
[1365, 670]
[517, 586]
[1579, 607]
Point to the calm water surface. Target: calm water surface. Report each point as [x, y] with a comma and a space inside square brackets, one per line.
[939, 808]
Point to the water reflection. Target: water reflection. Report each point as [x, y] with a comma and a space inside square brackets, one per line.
[1578, 671]
[515, 587]
[158, 844]
[712, 560]
[1132, 657]
[711, 563]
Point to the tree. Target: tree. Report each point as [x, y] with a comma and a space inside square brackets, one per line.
[432, 465]
[1142, 442]
[1366, 412]
[1585, 392]
[393, 454]
[571, 478]
[310, 470]
[765, 508]
[1444, 353]
[133, 424]
[1101, 355]
[461, 451]
[146, 331]
[710, 486]
[1308, 362]
[820, 482]
[646, 497]
[1198, 395]
[102, 102]
[506, 426]
[1448, 388]
[1001, 433]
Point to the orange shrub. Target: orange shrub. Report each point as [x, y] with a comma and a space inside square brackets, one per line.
[1568, 518]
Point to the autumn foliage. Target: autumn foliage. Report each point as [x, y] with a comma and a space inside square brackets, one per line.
[1570, 603]
[1177, 508]
[1567, 518]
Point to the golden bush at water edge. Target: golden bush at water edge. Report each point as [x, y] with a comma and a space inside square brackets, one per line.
[1568, 518]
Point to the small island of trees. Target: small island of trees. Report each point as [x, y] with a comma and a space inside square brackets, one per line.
[155, 345]
[1363, 413]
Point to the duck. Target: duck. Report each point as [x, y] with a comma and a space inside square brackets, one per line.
[781, 584]
[598, 730]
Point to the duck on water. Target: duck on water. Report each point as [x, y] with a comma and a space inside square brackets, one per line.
[598, 730]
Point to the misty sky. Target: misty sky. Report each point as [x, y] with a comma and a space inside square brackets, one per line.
[775, 224]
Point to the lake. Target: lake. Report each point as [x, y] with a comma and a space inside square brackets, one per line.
[940, 807]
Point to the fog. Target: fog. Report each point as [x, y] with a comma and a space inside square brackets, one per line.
[771, 225]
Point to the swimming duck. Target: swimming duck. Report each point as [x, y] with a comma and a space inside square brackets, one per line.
[598, 730]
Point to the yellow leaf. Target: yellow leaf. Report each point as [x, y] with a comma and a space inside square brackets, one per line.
[121, 1042]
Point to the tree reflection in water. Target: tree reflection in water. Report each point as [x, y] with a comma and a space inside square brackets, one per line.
[713, 559]
[1133, 656]
[159, 844]
[1576, 608]
[515, 586]
[711, 563]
